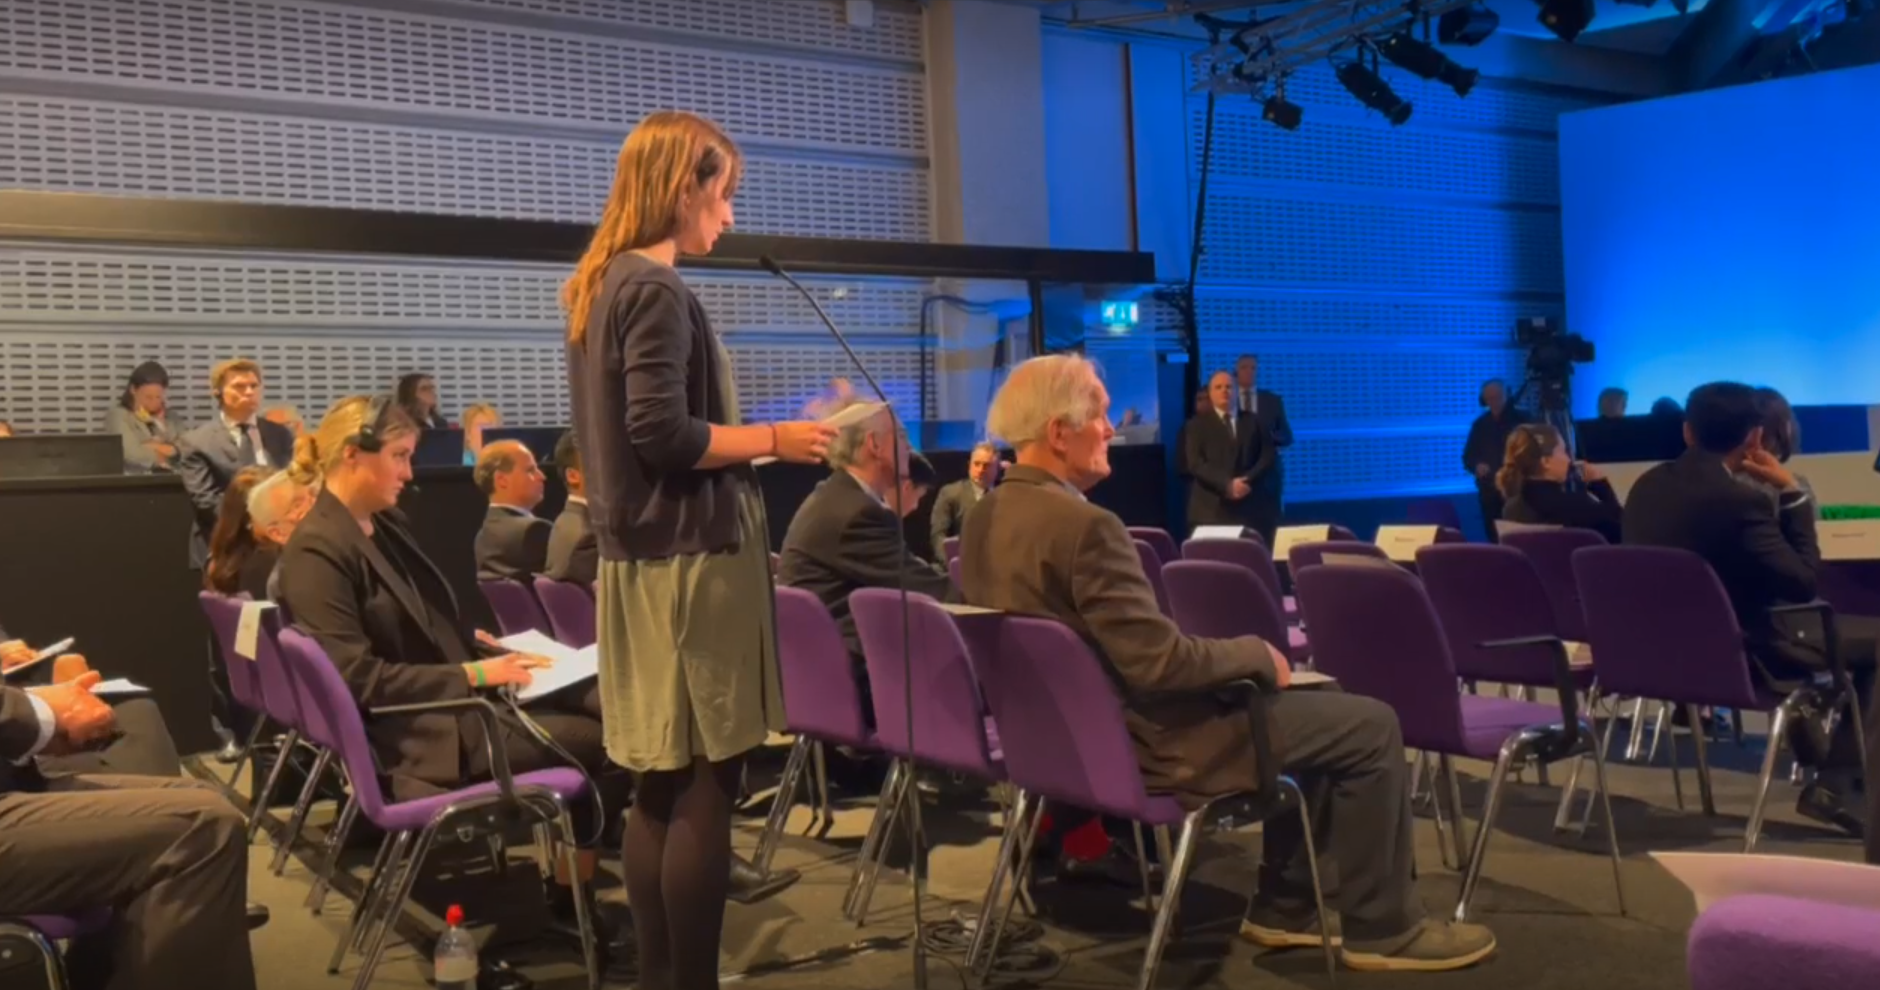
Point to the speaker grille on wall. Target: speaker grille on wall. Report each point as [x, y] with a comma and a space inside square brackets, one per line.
[896, 34]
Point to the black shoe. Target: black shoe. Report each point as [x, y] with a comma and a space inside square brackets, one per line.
[229, 753]
[1821, 804]
[749, 886]
[497, 974]
[257, 915]
[1114, 867]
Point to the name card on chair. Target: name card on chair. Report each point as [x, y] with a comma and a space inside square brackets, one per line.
[248, 629]
[1849, 539]
[1401, 543]
[1503, 527]
[1356, 560]
[1286, 536]
[1219, 533]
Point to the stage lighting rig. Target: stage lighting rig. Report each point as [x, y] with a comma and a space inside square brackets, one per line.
[1250, 58]
[1422, 58]
[1467, 25]
[1277, 109]
[1566, 18]
[1370, 89]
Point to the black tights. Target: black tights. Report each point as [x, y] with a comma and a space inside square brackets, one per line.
[677, 855]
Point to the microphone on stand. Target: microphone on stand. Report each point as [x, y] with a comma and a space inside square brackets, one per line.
[916, 832]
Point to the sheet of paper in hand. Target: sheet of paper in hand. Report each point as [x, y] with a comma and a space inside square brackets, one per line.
[568, 666]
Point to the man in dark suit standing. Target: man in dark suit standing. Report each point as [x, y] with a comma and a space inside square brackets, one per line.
[209, 455]
[1765, 555]
[208, 458]
[573, 552]
[957, 499]
[1251, 400]
[165, 854]
[1487, 447]
[844, 535]
[513, 543]
[1229, 458]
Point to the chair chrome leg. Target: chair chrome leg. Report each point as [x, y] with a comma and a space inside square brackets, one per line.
[1490, 807]
[389, 851]
[308, 792]
[1418, 769]
[1142, 867]
[1612, 825]
[329, 857]
[876, 827]
[825, 808]
[241, 762]
[1778, 734]
[781, 804]
[1171, 898]
[590, 951]
[396, 895]
[1860, 730]
[1027, 844]
[1318, 888]
[903, 792]
[260, 808]
[1572, 786]
[1702, 748]
[1637, 736]
[1659, 726]
[1439, 806]
[1008, 846]
[1446, 767]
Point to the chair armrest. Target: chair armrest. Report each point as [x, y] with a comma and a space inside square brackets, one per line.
[1253, 697]
[1563, 679]
[492, 733]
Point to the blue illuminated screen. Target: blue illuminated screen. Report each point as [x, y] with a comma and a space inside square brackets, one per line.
[1117, 314]
[1731, 234]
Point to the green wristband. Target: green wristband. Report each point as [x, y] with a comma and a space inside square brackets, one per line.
[482, 679]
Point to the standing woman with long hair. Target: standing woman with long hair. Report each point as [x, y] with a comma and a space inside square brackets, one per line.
[687, 618]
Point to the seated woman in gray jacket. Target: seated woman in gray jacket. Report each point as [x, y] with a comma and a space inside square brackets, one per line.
[141, 420]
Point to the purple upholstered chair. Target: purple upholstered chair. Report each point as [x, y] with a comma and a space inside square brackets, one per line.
[1757, 941]
[1552, 550]
[40, 931]
[821, 702]
[1250, 554]
[334, 720]
[267, 684]
[1374, 630]
[570, 611]
[950, 548]
[1483, 593]
[1662, 628]
[953, 574]
[244, 686]
[1152, 570]
[1304, 555]
[1158, 540]
[515, 606]
[1061, 723]
[1220, 601]
[950, 730]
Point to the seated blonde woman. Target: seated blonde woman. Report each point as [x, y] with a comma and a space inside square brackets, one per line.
[1533, 480]
[476, 419]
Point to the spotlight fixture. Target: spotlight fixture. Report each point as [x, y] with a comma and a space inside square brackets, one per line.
[1467, 25]
[1279, 110]
[1422, 58]
[1566, 18]
[1371, 90]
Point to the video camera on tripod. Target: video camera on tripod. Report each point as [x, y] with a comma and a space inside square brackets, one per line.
[1552, 353]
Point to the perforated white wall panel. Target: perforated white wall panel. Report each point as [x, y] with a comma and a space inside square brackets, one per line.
[1378, 271]
[495, 108]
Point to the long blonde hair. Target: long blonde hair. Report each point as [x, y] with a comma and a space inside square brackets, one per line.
[670, 155]
[320, 451]
[1528, 447]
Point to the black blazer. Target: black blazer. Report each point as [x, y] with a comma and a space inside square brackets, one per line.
[511, 545]
[949, 511]
[1215, 456]
[1272, 412]
[1765, 555]
[573, 553]
[207, 459]
[1548, 503]
[375, 627]
[842, 539]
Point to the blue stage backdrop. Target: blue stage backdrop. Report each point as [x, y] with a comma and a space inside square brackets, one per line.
[1728, 234]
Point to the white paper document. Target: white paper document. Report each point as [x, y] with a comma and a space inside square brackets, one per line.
[1309, 678]
[1219, 533]
[1849, 539]
[1286, 536]
[1401, 543]
[846, 416]
[1711, 877]
[567, 668]
[42, 656]
[118, 687]
[954, 608]
[248, 630]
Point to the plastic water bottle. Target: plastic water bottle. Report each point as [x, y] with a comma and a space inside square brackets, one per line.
[456, 959]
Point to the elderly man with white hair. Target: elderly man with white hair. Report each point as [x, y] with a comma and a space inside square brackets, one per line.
[1035, 546]
[848, 533]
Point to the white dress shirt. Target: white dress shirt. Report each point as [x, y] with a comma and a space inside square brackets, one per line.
[235, 432]
[48, 727]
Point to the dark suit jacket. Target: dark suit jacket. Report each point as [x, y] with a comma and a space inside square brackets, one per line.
[19, 730]
[375, 626]
[949, 511]
[207, 459]
[1035, 547]
[511, 545]
[1764, 555]
[1548, 503]
[1272, 413]
[1215, 457]
[842, 539]
[574, 555]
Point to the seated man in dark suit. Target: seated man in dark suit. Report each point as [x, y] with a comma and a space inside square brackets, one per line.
[957, 499]
[1766, 555]
[166, 854]
[573, 551]
[1037, 547]
[513, 542]
[141, 744]
[847, 534]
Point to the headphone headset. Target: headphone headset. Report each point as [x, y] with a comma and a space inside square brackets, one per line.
[367, 439]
